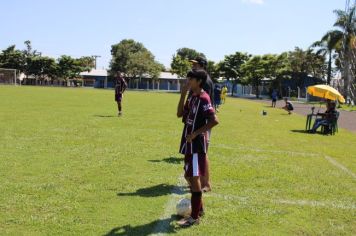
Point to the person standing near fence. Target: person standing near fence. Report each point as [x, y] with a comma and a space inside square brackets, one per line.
[274, 97]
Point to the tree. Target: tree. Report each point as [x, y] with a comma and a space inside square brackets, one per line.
[29, 55]
[189, 54]
[214, 70]
[42, 67]
[346, 22]
[257, 68]
[12, 58]
[121, 54]
[31, 62]
[133, 59]
[326, 46]
[279, 70]
[304, 63]
[87, 63]
[141, 63]
[180, 64]
[230, 67]
[70, 68]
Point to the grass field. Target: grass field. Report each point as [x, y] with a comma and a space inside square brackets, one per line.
[69, 166]
[348, 108]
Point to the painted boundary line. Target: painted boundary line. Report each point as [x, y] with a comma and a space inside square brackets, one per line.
[340, 166]
[328, 158]
[297, 202]
[169, 209]
[265, 150]
[178, 190]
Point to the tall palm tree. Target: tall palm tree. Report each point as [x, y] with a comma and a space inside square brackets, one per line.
[346, 21]
[326, 47]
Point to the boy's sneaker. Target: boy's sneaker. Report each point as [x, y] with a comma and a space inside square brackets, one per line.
[187, 222]
[119, 114]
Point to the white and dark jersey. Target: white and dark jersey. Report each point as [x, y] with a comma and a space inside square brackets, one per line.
[197, 111]
[120, 86]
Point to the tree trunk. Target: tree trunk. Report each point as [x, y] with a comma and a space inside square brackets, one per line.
[328, 80]
[257, 89]
[347, 76]
[233, 88]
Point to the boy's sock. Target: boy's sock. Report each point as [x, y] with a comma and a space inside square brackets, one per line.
[196, 202]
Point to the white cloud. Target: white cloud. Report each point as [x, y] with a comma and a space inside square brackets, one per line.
[259, 2]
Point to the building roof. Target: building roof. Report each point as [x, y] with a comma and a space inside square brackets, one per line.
[168, 75]
[95, 72]
[104, 73]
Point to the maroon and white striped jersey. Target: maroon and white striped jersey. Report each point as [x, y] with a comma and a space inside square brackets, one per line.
[197, 111]
[120, 85]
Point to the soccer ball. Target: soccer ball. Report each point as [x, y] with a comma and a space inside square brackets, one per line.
[183, 207]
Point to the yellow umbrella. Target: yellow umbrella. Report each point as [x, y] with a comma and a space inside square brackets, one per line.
[325, 91]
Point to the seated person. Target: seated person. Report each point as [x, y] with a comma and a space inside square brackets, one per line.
[326, 118]
[288, 107]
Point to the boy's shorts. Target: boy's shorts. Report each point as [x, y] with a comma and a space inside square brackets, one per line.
[195, 164]
[118, 97]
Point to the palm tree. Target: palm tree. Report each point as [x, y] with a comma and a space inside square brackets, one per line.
[326, 47]
[346, 21]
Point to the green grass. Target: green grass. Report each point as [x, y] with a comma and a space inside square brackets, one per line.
[69, 166]
[348, 108]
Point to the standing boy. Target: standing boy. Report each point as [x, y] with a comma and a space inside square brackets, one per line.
[120, 87]
[274, 97]
[199, 117]
[200, 63]
[223, 94]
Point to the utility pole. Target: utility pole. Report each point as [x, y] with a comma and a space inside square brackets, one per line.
[95, 58]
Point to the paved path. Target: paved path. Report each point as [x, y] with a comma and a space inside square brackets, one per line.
[347, 119]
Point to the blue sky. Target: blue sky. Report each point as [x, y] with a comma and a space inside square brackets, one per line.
[214, 27]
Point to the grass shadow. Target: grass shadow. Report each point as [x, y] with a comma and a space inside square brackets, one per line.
[156, 191]
[104, 116]
[300, 131]
[170, 160]
[161, 226]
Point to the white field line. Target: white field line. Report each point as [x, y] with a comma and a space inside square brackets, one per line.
[313, 203]
[266, 150]
[340, 166]
[177, 191]
[170, 207]
[328, 158]
[297, 202]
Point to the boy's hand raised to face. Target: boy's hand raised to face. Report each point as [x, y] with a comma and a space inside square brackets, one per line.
[184, 88]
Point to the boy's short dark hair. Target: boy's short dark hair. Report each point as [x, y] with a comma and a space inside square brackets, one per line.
[199, 75]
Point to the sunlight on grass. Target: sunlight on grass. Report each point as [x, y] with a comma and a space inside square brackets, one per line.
[69, 166]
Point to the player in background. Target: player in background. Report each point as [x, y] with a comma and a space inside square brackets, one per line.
[120, 87]
[200, 63]
[223, 94]
[217, 97]
[199, 117]
[274, 97]
[288, 107]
